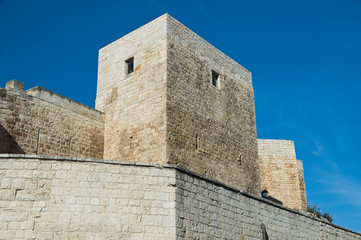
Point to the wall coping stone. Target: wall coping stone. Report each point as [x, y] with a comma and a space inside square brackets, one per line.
[64, 102]
[170, 166]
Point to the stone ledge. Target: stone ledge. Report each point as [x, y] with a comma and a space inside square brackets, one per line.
[64, 102]
[78, 159]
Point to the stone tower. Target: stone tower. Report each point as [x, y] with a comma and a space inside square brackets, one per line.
[281, 172]
[171, 97]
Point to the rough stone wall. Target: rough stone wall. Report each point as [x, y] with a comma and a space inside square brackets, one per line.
[82, 199]
[63, 131]
[210, 130]
[168, 111]
[279, 172]
[134, 104]
[207, 209]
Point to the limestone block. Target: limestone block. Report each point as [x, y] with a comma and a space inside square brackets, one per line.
[15, 85]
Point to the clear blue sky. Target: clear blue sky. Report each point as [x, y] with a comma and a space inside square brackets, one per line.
[305, 57]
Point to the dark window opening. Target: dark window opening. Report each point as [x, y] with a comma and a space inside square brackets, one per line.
[130, 65]
[215, 79]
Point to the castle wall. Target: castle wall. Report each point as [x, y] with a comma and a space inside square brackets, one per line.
[134, 104]
[281, 173]
[207, 209]
[45, 198]
[71, 198]
[31, 124]
[210, 130]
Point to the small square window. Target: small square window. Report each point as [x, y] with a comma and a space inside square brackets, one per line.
[130, 65]
[215, 79]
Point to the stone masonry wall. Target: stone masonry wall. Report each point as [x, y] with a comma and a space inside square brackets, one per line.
[29, 124]
[66, 198]
[167, 111]
[43, 197]
[301, 179]
[134, 104]
[210, 130]
[280, 172]
[207, 209]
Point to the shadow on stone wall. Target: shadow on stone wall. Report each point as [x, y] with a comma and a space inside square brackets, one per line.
[8, 143]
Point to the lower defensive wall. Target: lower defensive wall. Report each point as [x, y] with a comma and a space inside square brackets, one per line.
[47, 197]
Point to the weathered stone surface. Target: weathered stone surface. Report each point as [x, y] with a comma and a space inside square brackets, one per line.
[168, 111]
[301, 179]
[210, 130]
[15, 85]
[123, 200]
[135, 103]
[206, 209]
[106, 200]
[62, 127]
[281, 173]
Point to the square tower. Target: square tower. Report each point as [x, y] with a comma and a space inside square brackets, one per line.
[171, 97]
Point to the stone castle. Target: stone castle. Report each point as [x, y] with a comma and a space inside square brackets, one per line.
[169, 152]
